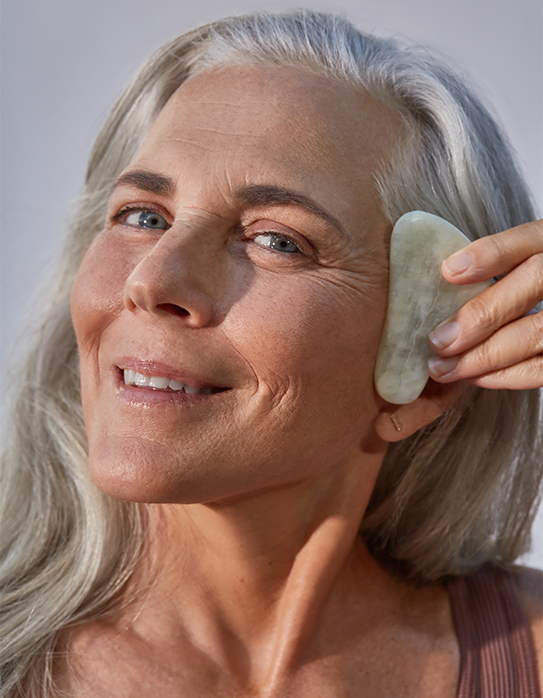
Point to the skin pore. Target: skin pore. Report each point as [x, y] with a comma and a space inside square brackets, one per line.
[245, 253]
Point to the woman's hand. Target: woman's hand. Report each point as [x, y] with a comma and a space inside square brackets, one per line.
[495, 340]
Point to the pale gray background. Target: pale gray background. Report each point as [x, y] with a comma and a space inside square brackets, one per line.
[65, 61]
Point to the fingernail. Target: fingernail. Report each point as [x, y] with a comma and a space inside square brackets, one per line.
[439, 366]
[458, 263]
[445, 334]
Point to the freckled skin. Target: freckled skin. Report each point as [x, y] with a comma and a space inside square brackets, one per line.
[295, 337]
[263, 586]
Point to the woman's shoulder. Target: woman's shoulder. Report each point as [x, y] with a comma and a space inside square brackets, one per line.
[530, 583]
[499, 621]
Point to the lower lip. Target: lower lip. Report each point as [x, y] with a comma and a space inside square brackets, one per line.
[136, 395]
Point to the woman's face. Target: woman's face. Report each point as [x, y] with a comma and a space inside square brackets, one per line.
[244, 256]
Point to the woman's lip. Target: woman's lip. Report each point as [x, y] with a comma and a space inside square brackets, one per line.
[164, 399]
[157, 368]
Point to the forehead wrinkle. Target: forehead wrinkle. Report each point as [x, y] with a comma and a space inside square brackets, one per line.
[213, 132]
[186, 141]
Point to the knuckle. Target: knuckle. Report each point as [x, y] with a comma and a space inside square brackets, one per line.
[537, 369]
[485, 248]
[535, 266]
[498, 244]
[537, 330]
[487, 355]
[481, 314]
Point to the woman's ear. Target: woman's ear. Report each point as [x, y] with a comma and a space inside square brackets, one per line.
[397, 422]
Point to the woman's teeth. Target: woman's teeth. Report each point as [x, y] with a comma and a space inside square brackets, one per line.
[159, 383]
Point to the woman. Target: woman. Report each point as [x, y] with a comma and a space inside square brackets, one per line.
[257, 520]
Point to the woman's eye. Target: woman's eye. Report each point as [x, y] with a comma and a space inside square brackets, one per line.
[147, 219]
[273, 241]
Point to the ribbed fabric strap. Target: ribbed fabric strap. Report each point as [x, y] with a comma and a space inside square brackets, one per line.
[497, 658]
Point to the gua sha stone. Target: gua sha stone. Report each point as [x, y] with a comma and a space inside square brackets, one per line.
[419, 299]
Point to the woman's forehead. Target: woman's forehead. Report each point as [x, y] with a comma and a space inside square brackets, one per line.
[287, 107]
[279, 126]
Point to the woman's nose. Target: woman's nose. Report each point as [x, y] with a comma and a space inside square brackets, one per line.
[177, 276]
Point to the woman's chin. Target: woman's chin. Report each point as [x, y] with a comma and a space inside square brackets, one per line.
[138, 470]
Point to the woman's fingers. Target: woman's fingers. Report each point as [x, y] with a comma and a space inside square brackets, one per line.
[494, 255]
[511, 358]
[523, 376]
[511, 297]
[491, 341]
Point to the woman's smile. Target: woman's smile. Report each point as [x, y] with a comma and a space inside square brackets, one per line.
[233, 294]
[161, 383]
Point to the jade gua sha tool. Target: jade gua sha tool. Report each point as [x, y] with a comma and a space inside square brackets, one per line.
[419, 299]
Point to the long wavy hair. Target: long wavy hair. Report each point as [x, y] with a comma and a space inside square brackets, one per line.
[456, 494]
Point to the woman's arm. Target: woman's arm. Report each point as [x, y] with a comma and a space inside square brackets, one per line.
[495, 340]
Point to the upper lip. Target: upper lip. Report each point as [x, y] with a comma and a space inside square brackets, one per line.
[150, 367]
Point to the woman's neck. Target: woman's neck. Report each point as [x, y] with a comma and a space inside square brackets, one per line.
[254, 579]
[269, 595]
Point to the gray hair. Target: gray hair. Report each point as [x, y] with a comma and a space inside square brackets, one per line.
[456, 494]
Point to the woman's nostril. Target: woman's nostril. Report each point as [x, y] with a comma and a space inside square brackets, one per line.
[174, 309]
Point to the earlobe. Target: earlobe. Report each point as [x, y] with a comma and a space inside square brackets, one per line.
[397, 422]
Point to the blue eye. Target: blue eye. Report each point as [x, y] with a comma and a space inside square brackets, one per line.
[147, 219]
[273, 241]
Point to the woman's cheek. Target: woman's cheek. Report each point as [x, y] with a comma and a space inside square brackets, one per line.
[97, 296]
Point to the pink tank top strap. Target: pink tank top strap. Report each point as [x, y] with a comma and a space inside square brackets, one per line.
[497, 658]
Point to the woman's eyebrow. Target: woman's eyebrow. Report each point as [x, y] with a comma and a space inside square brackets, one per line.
[250, 195]
[270, 195]
[148, 181]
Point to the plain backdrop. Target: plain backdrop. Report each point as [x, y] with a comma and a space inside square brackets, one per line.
[65, 61]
